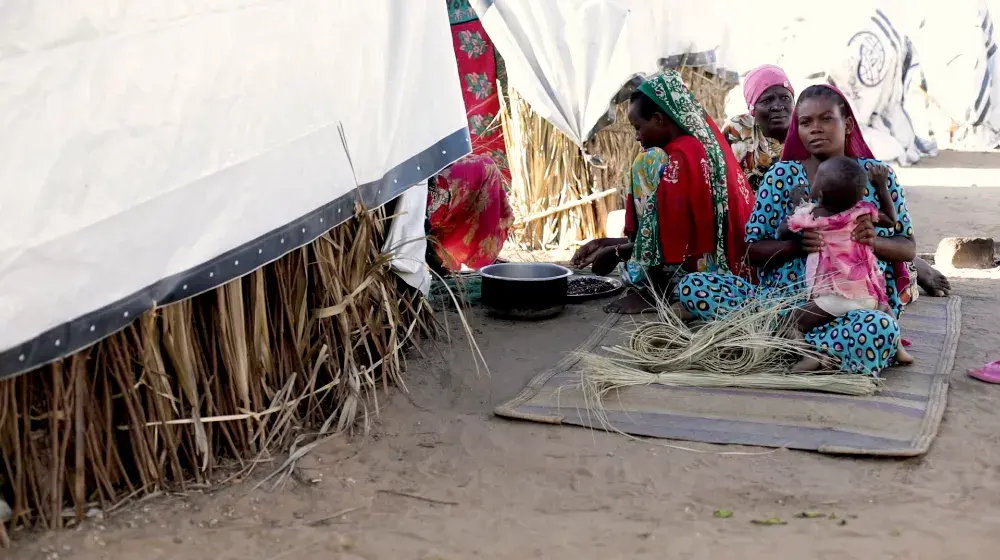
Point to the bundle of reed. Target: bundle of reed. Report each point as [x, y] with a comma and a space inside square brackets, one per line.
[560, 196]
[295, 349]
[747, 348]
[557, 196]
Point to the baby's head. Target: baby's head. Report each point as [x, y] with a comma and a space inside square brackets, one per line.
[839, 184]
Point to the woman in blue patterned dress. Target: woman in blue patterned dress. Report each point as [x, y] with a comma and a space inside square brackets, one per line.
[822, 126]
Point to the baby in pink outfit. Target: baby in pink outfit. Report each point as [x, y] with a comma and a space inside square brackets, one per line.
[845, 275]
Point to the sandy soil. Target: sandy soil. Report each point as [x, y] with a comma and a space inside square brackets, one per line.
[443, 478]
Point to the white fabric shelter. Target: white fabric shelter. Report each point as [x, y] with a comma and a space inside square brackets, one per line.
[568, 58]
[155, 149]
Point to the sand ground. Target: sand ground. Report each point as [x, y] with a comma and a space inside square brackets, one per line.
[441, 477]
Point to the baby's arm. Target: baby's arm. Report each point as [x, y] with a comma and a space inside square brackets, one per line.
[784, 232]
[799, 220]
[879, 177]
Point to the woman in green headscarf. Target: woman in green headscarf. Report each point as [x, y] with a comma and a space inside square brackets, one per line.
[688, 201]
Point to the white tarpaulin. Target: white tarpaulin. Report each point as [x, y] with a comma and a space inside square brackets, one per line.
[407, 239]
[568, 58]
[956, 44]
[155, 149]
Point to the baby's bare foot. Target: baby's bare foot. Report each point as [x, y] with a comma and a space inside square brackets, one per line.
[806, 365]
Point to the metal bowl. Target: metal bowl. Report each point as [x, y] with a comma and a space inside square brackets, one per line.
[525, 290]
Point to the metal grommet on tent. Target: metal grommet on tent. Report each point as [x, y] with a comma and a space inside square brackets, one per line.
[58, 342]
[20, 358]
[236, 263]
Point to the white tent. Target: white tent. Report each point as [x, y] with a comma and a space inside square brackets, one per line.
[568, 58]
[156, 149]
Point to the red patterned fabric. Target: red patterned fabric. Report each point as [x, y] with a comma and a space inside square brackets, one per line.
[469, 213]
[683, 201]
[477, 70]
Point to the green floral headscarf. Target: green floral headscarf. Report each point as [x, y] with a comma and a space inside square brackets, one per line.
[670, 94]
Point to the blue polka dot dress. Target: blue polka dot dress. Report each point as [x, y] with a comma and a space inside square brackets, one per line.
[863, 340]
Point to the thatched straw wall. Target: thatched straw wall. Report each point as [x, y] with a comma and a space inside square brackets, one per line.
[550, 175]
[262, 364]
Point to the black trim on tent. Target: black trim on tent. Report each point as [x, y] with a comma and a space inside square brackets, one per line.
[89, 329]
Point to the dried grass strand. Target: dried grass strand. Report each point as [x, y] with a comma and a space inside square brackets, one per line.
[747, 348]
[239, 374]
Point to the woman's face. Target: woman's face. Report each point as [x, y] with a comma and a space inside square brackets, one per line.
[654, 132]
[773, 111]
[822, 128]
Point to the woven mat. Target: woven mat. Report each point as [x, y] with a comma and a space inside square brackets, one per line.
[901, 420]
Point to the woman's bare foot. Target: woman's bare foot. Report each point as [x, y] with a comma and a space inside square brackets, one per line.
[904, 358]
[932, 281]
[632, 303]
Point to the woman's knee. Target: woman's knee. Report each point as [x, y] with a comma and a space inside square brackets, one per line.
[705, 295]
[863, 340]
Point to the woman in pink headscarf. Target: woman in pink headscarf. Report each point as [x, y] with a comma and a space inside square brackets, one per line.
[862, 341]
[757, 137]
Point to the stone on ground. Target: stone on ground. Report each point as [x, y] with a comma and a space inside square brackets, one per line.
[966, 252]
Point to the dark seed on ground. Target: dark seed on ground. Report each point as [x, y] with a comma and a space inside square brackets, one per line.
[588, 286]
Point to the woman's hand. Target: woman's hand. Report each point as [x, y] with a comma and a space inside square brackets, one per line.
[588, 254]
[606, 261]
[864, 231]
[812, 241]
[809, 241]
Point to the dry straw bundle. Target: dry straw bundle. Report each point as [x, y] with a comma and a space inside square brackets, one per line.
[558, 196]
[744, 349]
[550, 177]
[261, 364]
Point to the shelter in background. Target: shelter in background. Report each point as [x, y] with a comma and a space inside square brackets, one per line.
[191, 269]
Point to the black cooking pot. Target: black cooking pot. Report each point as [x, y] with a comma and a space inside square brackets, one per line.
[525, 290]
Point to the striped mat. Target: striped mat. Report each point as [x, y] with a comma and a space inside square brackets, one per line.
[901, 420]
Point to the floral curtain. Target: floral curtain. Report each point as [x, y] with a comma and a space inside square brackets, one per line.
[479, 68]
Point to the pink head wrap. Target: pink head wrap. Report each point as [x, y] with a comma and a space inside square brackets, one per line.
[854, 145]
[761, 78]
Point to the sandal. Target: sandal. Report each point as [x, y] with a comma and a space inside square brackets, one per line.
[990, 373]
